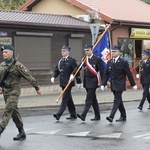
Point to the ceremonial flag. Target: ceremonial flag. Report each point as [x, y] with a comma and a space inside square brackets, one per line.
[102, 49]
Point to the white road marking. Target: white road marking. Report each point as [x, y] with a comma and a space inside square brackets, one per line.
[113, 135]
[14, 130]
[79, 134]
[142, 135]
[48, 132]
[28, 129]
[148, 137]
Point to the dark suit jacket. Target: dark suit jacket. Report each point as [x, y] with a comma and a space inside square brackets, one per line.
[90, 80]
[64, 68]
[144, 70]
[117, 73]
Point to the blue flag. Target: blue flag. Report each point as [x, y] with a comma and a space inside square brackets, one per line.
[102, 49]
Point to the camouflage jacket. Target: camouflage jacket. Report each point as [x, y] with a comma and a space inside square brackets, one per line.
[16, 72]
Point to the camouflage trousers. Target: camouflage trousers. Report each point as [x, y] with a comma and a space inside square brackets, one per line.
[11, 111]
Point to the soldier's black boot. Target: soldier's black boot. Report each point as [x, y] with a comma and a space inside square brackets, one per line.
[21, 135]
[1, 130]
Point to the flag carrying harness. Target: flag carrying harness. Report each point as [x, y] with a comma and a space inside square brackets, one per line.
[92, 70]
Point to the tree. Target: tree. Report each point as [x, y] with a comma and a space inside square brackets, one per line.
[11, 4]
[146, 1]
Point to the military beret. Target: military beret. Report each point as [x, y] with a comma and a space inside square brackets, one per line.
[87, 47]
[115, 48]
[66, 48]
[9, 47]
[146, 52]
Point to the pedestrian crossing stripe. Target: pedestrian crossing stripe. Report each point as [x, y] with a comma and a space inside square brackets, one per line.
[144, 136]
[28, 129]
[48, 132]
[113, 136]
[147, 138]
[79, 134]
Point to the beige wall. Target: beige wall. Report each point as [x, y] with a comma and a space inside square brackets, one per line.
[120, 32]
[57, 7]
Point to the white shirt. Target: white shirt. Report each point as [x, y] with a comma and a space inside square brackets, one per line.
[115, 59]
[145, 60]
[90, 56]
[66, 57]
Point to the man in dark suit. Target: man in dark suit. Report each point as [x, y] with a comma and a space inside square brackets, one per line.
[64, 68]
[117, 70]
[144, 70]
[91, 81]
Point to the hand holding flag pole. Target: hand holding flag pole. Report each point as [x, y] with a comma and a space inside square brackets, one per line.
[61, 94]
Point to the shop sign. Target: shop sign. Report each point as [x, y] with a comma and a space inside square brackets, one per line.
[3, 33]
[5, 40]
[140, 33]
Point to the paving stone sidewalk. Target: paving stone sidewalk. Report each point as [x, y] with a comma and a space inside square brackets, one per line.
[29, 98]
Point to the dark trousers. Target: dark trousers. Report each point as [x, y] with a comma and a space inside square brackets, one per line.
[91, 100]
[118, 103]
[146, 94]
[67, 101]
[11, 111]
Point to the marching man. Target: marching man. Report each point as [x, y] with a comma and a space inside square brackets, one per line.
[91, 82]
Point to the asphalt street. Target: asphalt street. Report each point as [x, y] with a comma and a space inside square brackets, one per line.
[45, 133]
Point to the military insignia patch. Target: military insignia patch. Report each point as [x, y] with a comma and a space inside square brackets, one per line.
[21, 66]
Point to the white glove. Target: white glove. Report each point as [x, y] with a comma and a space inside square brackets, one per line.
[137, 76]
[79, 85]
[134, 87]
[71, 77]
[102, 88]
[52, 79]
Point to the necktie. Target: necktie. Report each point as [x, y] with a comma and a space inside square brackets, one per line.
[114, 61]
[89, 59]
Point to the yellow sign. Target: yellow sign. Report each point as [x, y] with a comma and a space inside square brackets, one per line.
[5, 40]
[140, 33]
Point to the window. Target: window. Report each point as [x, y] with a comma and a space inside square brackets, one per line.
[126, 46]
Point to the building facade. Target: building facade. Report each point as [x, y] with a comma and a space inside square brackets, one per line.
[38, 39]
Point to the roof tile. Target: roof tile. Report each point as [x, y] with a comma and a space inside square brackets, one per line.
[125, 10]
[29, 18]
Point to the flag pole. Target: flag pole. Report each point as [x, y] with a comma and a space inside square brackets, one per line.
[110, 44]
[61, 94]
[106, 29]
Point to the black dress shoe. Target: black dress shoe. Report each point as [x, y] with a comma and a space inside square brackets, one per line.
[121, 119]
[81, 117]
[56, 116]
[95, 119]
[71, 118]
[140, 108]
[109, 119]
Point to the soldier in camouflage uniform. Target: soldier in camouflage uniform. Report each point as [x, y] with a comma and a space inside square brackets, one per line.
[11, 90]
